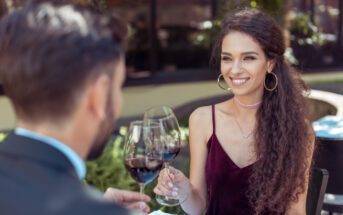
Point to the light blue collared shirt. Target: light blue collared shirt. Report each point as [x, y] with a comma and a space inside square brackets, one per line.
[74, 158]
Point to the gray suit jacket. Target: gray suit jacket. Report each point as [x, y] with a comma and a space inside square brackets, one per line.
[35, 178]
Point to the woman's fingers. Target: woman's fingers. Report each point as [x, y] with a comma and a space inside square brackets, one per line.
[176, 175]
[164, 180]
[172, 183]
[179, 182]
[164, 185]
[172, 193]
[161, 190]
[166, 173]
[171, 178]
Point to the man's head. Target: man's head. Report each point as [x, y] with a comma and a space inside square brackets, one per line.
[53, 54]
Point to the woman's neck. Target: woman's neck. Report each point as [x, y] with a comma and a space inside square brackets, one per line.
[246, 106]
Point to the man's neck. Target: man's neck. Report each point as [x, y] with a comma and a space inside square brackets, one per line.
[65, 134]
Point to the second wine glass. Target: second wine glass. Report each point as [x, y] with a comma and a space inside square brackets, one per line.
[171, 134]
[143, 152]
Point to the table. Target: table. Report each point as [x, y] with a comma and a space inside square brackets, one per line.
[329, 155]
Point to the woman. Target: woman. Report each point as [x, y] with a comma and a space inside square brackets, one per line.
[250, 154]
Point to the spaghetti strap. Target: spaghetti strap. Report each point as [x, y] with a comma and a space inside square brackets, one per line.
[213, 119]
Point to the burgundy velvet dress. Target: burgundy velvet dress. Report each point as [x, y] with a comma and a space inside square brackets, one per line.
[226, 182]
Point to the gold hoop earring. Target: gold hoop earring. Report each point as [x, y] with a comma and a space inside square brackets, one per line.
[276, 82]
[221, 87]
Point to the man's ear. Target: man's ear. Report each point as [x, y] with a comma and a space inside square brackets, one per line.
[98, 96]
[270, 65]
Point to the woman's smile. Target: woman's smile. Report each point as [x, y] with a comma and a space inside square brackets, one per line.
[237, 82]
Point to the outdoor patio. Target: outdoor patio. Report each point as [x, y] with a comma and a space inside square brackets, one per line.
[167, 57]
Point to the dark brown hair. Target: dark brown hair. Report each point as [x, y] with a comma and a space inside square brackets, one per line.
[49, 51]
[283, 136]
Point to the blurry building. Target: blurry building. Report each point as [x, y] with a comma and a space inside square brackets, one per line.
[178, 34]
[327, 17]
[162, 32]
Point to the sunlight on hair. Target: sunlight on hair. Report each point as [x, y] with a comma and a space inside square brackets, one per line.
[57, 16]
[68, 19]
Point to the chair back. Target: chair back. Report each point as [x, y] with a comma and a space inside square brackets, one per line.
[329, 156]
[316, 191]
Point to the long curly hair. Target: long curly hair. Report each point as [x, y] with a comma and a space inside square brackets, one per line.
[283, 135]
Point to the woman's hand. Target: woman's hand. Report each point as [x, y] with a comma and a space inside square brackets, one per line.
[173, 184]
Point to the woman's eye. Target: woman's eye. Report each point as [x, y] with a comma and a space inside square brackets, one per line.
[249, 58]
[225, 58]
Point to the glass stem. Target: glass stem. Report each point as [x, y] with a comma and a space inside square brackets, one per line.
[166, 165]
[141, 190]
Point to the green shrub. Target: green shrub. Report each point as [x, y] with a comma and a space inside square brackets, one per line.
[2, 136]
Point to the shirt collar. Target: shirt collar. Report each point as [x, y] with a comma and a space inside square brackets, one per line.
[73, 157]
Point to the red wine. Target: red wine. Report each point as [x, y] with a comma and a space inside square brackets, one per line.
[170, 153]
[143, 170]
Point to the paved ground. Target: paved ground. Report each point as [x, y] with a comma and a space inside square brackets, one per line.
[334, 88]
[181, 90]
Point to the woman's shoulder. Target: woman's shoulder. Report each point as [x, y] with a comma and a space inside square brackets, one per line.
[204, 113]
[200, 123]
[201, 119]
[201, 114]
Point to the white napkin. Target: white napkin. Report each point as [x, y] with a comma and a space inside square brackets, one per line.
[159, 213]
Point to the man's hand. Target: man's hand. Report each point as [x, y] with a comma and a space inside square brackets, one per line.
[128, 199]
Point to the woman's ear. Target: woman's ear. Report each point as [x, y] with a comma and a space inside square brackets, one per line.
[270, 65]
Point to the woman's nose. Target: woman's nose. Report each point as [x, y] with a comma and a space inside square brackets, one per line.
[236, 67]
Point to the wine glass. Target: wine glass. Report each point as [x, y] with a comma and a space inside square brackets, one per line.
[165, 117]
[143, 152]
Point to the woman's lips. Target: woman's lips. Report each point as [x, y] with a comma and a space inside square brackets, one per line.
[237, 82]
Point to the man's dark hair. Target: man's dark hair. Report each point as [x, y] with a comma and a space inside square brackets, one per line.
[49, 51]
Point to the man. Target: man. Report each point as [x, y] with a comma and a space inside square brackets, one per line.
[62, 66]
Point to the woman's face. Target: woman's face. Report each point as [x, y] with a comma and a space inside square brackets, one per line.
[244, 64]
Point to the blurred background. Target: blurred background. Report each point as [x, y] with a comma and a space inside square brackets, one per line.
[167, 57]
[177, 35]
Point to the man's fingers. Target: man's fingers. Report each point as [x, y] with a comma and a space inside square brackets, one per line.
[130, 196]
[119, 196]
[138, 206]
